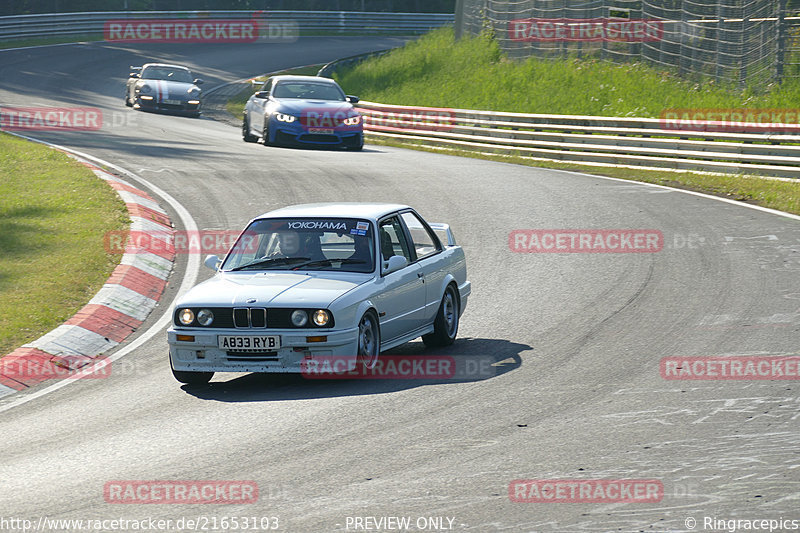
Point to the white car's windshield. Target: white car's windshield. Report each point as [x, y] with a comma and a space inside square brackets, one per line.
[308, 91]
[336, 244]
[167, 73]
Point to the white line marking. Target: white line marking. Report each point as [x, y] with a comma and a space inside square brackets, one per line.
[189, 278]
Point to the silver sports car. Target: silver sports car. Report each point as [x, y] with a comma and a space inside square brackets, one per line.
[310, 282]
[160, 87]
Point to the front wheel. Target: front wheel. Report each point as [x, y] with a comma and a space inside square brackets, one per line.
[265, 135]
[191, 378]
[246, 135]
[128, 100]
[445, 326]
[369, 340]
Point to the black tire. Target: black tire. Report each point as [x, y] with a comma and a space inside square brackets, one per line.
[246, 135]
[128, 100]
[369, 340]
[356, 148]
[445, 326]
[191, 378]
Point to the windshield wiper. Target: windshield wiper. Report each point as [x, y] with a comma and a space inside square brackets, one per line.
[269, 261]
[321, 262]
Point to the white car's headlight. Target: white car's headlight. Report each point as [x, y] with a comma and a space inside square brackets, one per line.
[299, 318]
[205, 317]
[144, 88]
[321, 317]
[285, 118]
[352, 121]
[186, 316]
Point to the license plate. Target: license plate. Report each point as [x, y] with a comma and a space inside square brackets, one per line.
[327, 131]
[172, 102]
[259, 343]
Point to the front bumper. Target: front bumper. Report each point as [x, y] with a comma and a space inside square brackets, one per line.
[294, 133]
[155, 105]
[204, 355]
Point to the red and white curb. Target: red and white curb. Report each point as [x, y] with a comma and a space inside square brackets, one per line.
[116, 311]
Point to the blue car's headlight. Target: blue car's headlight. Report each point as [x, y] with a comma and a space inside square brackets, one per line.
[352, 121]
[285, 118]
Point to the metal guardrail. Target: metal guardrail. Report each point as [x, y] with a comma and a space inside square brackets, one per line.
[307, 22]
[587, 140]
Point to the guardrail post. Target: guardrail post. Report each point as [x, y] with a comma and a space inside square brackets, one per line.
[458, 25]
[781, 49]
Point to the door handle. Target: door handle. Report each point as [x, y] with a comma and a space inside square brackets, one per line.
[420, 275]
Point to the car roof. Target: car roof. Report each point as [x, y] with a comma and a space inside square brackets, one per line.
[370, 211]
[164, 65]
[289, 77]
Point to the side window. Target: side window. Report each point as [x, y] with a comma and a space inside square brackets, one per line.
[267, 85]
[393, 240]
[424, 243]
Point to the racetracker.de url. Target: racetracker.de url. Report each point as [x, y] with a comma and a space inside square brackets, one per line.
[195, 523]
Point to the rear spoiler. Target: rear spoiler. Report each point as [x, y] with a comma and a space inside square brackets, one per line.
[444, 233]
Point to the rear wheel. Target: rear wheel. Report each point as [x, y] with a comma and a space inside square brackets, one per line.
[369, 340]
[191, 378]
[246, 135]
[445, 326]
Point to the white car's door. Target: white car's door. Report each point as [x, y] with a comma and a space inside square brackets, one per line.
[401, 294]
[429, 259]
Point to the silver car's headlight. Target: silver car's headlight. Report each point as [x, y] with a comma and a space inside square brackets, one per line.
[321, 317]
[285, 118]
[144, 88]
[352, 121]
[299, 318]
[205, 317]
[186, 316]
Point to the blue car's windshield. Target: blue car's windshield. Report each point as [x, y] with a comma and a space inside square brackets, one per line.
[308, 91]
[302, 244]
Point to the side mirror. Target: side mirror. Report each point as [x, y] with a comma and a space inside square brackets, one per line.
[352, 99]
[198, 81]
[133, 75]
[395, 263]
[212, 262]
[262, 94]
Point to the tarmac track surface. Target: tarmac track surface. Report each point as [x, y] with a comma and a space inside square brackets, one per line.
[576, 340]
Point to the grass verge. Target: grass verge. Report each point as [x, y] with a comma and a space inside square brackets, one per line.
[55, 212]
[235, 105]
[473, 73]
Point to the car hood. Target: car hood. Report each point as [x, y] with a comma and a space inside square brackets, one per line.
[276, 289]
[294, 106]
[170, 89]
